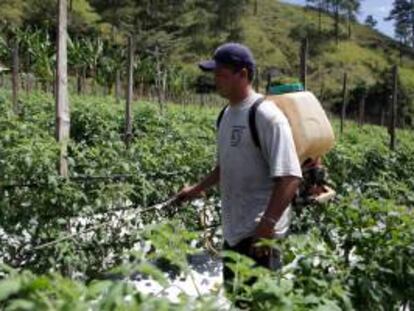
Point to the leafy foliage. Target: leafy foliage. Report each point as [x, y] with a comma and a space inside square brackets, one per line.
[352, 254]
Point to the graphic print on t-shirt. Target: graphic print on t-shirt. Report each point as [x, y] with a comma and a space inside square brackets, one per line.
[236, 135]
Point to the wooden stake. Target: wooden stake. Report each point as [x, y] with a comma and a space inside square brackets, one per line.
[15, 76]
[361, 116]
[344, 102]
[117, 85]
[130, 92]
[62, 102]
[394, 104]
[269, 81]
[78, 81]
[257, 79]
[303, 62]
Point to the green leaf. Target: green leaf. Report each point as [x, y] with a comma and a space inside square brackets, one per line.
[8, 288]
[311, 299]
[21, 304]
[98, 287]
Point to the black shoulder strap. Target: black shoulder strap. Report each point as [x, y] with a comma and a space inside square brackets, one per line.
[252, 121]
[220, 116]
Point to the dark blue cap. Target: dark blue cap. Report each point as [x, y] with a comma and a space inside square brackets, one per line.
[234, 54]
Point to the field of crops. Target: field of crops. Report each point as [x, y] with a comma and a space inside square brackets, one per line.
[76, 244]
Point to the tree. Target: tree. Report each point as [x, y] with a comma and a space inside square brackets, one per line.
[82, 18]
[198, 31]
[11, 18]
[370, 21]
[337, 5]
[403, 16]
[319, 5]
[344, 8]
[351, 7]
[11, 13]
[228, 17]
[255, 7]
[340, 9]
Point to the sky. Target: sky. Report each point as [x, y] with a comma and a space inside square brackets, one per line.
[379, 9]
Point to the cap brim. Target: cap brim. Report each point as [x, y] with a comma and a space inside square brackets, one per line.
[207, 65]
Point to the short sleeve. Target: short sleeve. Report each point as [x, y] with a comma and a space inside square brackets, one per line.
[276, 140]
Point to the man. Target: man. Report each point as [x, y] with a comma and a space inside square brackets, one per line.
[256, 184]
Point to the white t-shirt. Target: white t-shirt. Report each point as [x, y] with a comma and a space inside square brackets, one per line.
[246, 171]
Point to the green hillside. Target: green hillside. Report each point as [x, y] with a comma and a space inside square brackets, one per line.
[275, 33]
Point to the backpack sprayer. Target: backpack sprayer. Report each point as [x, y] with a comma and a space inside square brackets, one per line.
[313, 136]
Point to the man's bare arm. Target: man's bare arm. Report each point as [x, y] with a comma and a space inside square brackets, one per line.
[193, 191]
[284, 190]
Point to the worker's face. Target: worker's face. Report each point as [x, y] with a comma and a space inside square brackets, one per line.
[228, 82]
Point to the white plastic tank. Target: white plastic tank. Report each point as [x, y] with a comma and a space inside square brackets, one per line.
[311, 129]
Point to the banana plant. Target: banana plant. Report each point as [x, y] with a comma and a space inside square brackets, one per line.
[177, 82]
[145, 73]
[84, 55]
[77, 59]
[93, 52]
[40, 54]
[112, 61]
[105, 70]
[28, 39]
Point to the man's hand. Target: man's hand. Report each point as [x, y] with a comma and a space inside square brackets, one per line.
[192, 192]
[265, 231]
[188, 193]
